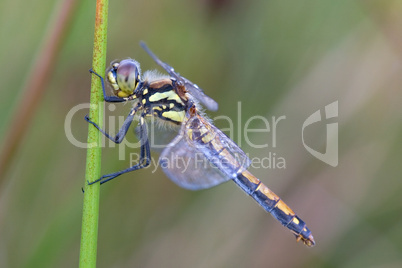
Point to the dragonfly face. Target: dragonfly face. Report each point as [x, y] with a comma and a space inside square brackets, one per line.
[124, 77]
[211, 157]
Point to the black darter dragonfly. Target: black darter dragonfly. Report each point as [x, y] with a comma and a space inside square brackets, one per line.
[176, 100]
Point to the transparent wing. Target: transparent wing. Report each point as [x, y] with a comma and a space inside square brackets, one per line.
[218, 148]
[159, 135]
[194, 90]
[189, 168]
[202, 156]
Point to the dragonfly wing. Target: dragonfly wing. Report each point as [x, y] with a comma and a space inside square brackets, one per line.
[202, 156]
[198, 94]
[192, 88]
[186, 166]
[218, 148]
[159, 136]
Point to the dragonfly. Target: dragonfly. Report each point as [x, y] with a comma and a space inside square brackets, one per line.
[211, 157]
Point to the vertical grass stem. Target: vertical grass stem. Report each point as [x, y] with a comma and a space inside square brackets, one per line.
[89, 233]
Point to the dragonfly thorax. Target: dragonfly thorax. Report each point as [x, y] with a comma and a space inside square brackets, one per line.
[124, 77]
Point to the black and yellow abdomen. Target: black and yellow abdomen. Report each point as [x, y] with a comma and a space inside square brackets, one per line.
[273, 204]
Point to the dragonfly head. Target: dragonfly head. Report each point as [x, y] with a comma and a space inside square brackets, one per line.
[124, 77]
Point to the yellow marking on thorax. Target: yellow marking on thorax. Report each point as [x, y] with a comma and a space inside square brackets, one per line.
[174, 115]
[170, 95]
[144, 101]
[157, 96]
[145, 91]
[175, 97]
[157, 108]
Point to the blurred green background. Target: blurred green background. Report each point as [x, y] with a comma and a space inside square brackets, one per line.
[275, 57]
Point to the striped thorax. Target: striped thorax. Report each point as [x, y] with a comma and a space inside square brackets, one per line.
[157, 94]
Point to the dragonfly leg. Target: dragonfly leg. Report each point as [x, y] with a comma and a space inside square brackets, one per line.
[145, 157]
[123, 130]
[106, 97]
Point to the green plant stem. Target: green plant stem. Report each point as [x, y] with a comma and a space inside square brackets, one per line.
[89, 233]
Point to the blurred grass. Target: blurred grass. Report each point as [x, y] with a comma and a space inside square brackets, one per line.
[277, 58]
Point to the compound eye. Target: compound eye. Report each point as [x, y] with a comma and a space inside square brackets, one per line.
[127, 75]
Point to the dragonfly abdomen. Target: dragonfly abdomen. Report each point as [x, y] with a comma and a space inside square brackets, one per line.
[274, 205]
